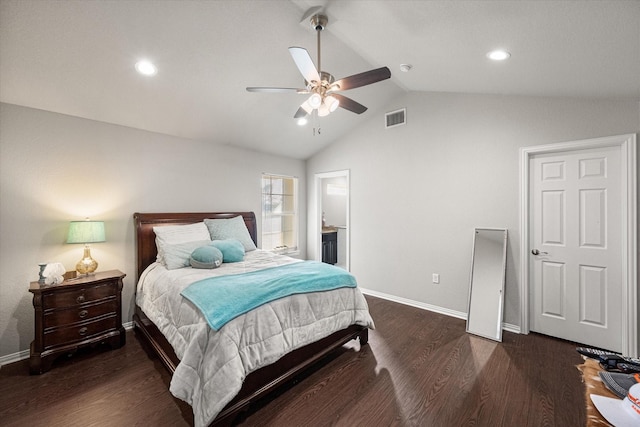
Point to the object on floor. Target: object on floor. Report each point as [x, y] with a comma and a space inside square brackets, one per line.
[620, 413]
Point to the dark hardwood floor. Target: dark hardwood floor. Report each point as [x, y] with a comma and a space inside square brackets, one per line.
[419, 369]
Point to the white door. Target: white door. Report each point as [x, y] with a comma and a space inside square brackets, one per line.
[575, 227]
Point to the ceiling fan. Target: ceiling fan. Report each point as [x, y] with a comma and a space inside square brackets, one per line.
[321, 85]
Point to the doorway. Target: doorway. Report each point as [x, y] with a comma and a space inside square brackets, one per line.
[332, 228]
[578, 247]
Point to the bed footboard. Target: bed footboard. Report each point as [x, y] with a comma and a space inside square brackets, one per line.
[258, 383]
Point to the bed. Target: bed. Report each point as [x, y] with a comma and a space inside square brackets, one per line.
[257, 382]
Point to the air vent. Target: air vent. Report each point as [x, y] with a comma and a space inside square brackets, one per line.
[395, 118]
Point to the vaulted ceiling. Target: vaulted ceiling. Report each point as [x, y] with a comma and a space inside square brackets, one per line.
[77, 57]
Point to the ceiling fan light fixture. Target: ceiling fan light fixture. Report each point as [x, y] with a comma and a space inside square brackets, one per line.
[323, 110]
[306, 107]
[331, 103]
[315, 100]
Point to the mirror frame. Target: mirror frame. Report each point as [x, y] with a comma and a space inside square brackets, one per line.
[499, 284]
[317, 233]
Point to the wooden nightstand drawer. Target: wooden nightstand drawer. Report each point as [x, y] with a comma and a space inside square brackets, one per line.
[81, 331]
[76, 313]
[79, 296]
[80, 313]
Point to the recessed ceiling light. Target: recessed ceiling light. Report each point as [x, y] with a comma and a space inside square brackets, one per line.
[146, 68]
[405, 68]
[498, 55]
[302, 121]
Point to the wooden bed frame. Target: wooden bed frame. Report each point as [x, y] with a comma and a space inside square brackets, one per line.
[258, 383]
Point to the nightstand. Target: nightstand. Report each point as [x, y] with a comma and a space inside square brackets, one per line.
[79, 312]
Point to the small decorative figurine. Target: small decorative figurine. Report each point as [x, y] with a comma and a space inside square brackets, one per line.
[42, 265]
[54, 273]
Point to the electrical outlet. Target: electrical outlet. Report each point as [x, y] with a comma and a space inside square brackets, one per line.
[436, 278]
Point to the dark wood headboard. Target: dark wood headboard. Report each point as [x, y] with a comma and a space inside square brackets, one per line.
[146, 238]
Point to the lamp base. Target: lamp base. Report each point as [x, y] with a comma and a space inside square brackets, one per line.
[86, 265]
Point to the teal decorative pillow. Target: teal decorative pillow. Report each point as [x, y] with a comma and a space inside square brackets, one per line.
[206, 257]
[232, 250]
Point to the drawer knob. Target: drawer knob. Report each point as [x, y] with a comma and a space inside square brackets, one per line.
[80, 299]
[83, 331]
[83, 313]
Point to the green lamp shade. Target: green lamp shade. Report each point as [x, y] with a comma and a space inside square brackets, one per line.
[86, 232]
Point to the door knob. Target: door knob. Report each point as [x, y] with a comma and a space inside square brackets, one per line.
[537, 252]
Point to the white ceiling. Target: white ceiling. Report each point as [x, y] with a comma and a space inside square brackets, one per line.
[77, 58]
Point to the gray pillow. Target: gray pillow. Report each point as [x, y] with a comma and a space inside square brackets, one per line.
[232, 228]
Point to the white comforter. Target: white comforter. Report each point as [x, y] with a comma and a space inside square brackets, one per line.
[214, 363]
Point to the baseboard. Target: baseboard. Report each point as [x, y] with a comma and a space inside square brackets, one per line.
[430, 307]
[15, 357]
[511, 328]
[128, 325]
[24, 354]
[417, 304]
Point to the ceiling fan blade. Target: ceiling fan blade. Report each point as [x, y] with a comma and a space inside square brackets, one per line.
[276, 89]
[300, 113]
[362, 79]
[305, 64]
[349, 104]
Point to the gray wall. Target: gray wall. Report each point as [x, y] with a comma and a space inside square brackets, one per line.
[419, 190]
[56, 168]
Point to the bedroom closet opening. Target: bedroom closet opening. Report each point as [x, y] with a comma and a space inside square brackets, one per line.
[332, 190]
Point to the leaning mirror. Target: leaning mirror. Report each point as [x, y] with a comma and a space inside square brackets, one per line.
[486, 288]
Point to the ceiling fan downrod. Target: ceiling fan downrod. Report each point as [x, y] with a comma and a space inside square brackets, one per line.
[318, 23]
[321, 102]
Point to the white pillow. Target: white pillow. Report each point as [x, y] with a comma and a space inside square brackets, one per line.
[176, 234]
[179, 255]
[231, 228]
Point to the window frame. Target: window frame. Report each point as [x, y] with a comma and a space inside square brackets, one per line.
[294, 214]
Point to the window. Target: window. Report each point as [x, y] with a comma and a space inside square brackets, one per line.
[279, 213]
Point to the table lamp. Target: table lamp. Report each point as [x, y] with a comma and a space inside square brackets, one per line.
[86, 232]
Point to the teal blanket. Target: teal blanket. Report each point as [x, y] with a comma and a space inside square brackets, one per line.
[223, 298]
